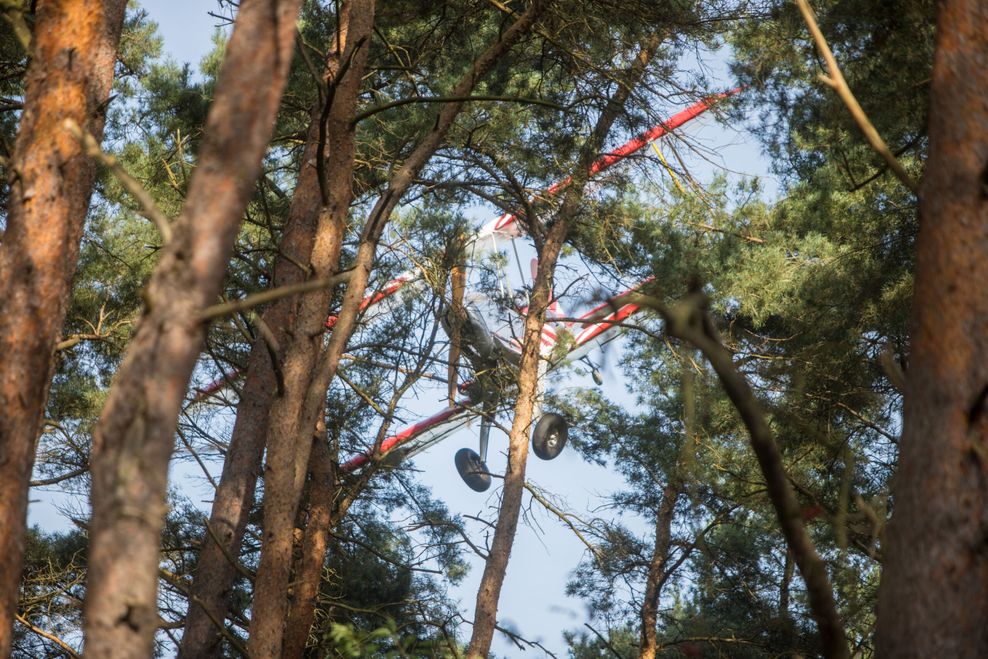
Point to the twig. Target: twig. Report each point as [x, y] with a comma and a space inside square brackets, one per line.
[257, 299]
[176, 581]
[603, 640]
[51, 637]
[564, 518]
[232, 560]
[452, 99]
[520, 641]
[710, 227]
[149, 209]
[274, 349]
[837, 82]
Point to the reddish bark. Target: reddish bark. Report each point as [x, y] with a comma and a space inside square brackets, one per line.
[133, 440]
[69, 78]
[215, 574]
[495, 569]
[285, 467]
[295, 414]
[933, 599]
[323, 495]
[649, 612]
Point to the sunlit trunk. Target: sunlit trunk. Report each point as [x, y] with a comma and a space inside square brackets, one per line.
[73, 52]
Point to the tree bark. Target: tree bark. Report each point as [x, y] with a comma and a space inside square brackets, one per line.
[212, 586]
[649, 612]
[295, 414]
[281, 477]
[933, 599]
[495, 568]
[323, 496]
[73, 53]
[133, 440]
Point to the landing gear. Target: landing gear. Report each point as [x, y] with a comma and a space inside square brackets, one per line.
[595, 373]
[472, 470]
[550, 436]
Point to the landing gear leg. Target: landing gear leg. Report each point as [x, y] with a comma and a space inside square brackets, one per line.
[485, 435]
[471, 466]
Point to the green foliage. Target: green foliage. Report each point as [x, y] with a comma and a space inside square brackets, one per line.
[808, 292]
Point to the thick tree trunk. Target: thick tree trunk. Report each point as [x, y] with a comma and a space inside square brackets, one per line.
[933, 600]
[295, 414]
[215, 574]
[69, 78]
[281, 473]
[133, 440]
[649, 612]
[489, 591]
[323, 496]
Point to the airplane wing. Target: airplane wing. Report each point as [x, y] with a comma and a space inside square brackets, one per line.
[601, 324]
[507, 227]
[421, 435]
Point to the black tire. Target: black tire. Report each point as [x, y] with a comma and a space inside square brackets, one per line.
[472, 470]
[550, 436]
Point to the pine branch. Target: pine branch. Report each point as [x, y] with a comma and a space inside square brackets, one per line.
[837, 82]
[149, 209]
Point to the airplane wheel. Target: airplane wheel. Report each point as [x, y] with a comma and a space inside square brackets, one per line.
[550, 436]
[472, 470]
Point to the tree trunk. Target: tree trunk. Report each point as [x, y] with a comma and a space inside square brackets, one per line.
[281, 475]
[489, 591]
[69, 78]
[133, 441]
[657, 576]
[323, 496]
[933, 599]
[295, 414]
[215, 574]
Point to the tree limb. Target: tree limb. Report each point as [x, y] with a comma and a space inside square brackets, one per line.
[453, 99]
[66, 648]
[218, 310]
[149, 209]
[837, 82]
[689, 321]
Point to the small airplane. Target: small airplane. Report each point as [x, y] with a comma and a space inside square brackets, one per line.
[494, 352]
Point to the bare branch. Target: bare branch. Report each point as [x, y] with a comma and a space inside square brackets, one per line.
[454, 99]
[251, 301]
[564, 517]
[837, 82]
[149, 209]
[66, 648]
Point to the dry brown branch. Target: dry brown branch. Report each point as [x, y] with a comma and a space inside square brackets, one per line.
[837, 82]
[689, 321]
[564, 517]
[66, 648]
[149, 209]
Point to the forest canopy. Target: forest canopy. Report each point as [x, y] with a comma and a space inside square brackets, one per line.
[253, 305]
